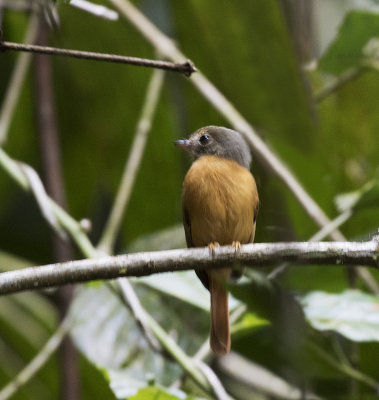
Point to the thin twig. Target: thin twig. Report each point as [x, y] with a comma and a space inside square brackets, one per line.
[320, 235]
[159, 340]
[338, 82]
[115, 220]
[186, 68]
[165, 341]
[332, 226]
[95, 9]
[16, 81]
[178, 354]
[131, 300]
[42, 199]
[343, 368]
[254, 377]
[213, 379]
[38, 361]
[362, 272]
[142, 264]
[204, 350]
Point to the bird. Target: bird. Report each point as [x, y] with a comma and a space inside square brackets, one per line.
[219, 206]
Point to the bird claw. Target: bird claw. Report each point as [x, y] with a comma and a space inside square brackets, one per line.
[212, 246]
[237, 246]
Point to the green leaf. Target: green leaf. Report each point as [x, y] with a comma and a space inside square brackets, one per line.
[10, 261]
[365, 197]
[185, 286]
[352, 313]
[158, 393]
[164, 239]
[268, 299]
[107, 334]
[247, 323]
[346, 51]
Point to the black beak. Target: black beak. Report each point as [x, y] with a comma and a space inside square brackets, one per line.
[183, 143]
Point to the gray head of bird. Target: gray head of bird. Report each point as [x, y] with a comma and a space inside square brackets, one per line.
[217, 141]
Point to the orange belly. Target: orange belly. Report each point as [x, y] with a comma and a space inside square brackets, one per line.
[220, 199]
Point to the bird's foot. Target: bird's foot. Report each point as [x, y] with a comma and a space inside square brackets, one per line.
[212, 246]
[237, 271]
[237, 246]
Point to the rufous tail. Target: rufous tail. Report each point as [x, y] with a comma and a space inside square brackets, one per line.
[220, 333]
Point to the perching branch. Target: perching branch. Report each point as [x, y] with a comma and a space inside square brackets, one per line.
[148, 263]
[186, 68]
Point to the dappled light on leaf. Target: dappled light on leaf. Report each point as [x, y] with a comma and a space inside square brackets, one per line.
[352, 313]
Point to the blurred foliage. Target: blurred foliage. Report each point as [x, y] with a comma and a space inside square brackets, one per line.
[245, 49]
[352, 313]
[365, 197]
[360, 27]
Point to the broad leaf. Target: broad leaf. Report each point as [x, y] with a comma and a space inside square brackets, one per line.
[184, 286]
[352, 313]
[134, 390]
[247, 323]
[346, 51]
[108, 336]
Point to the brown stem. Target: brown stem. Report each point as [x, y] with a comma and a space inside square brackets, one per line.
[186, 68]
[51, 160]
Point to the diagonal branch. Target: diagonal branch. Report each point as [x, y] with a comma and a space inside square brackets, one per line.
[38, 361]
[338, 82]
[142, 264]
[161, 338]
[66, 221]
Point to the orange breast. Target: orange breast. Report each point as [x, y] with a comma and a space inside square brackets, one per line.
[220, 198]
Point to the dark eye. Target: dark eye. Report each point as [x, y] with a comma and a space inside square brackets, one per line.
[204, 139]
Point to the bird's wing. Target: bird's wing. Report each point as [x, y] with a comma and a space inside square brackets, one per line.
[202, 275]
[187, 227]
[252, 235]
